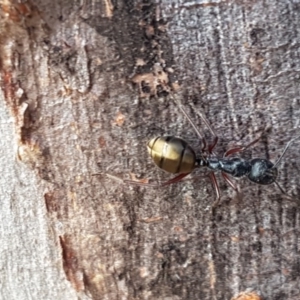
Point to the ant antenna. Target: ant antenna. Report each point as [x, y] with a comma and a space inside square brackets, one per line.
[281, 189]
[289, 197]
[283, 153]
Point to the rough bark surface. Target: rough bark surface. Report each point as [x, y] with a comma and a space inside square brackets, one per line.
[84, 86]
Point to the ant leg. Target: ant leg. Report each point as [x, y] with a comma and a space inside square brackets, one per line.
[131, 182]
[139, 183]
[196, 129]
[171, 181]
[215, 140]
[191, 122]
[212, 145]
[229, 181]
[175, 179]
[204, 145]
[281, 189]
[216, 187]
[200, 114]
[240, 149]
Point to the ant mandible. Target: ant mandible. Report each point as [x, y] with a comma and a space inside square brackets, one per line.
[175, 155]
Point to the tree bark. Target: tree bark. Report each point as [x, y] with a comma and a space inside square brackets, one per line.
[84, 86]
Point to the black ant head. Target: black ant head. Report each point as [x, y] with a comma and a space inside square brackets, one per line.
[262, 171]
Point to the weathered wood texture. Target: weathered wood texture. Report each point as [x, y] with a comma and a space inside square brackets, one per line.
[83, 87]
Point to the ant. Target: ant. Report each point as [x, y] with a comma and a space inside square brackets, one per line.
[175, 155]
